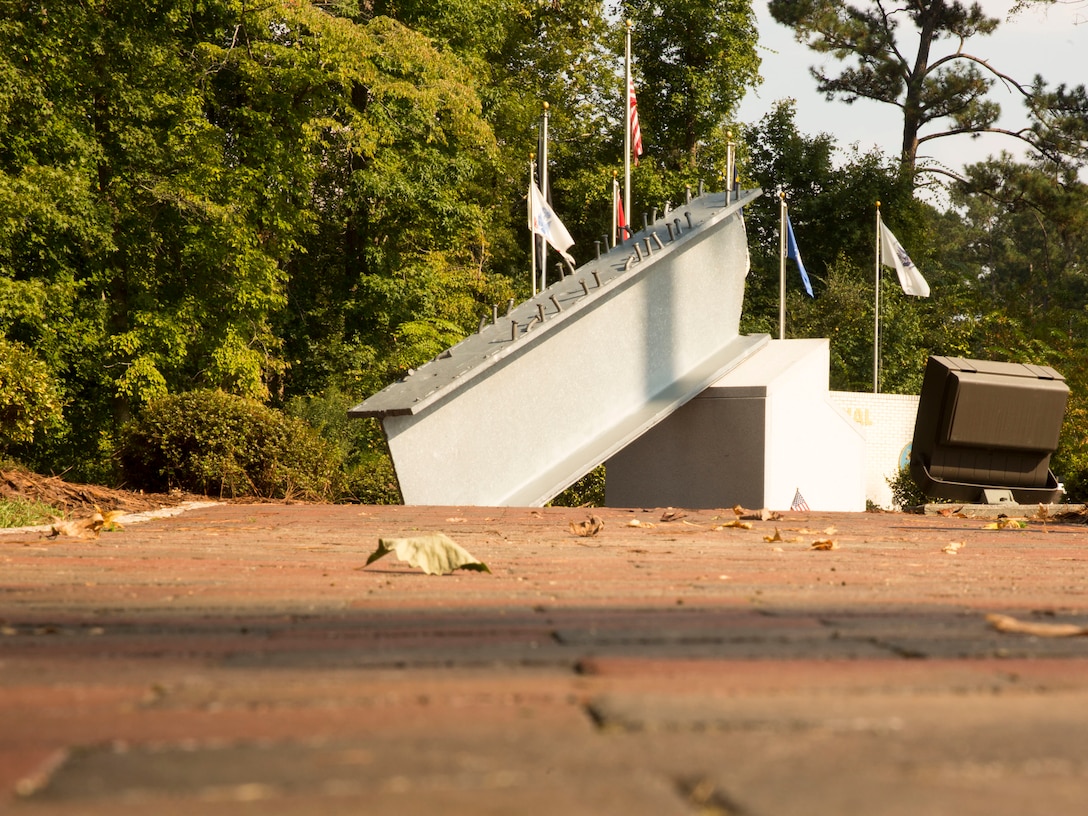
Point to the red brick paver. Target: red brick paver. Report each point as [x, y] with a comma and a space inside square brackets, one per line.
[242, 659]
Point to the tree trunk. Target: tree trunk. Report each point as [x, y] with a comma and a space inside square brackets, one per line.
[913, 112]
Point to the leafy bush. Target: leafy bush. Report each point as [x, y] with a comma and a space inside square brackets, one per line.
[368, 469]
[372, 480]
[214, 443]
[29, 399]
[586, 492]
[906, 492]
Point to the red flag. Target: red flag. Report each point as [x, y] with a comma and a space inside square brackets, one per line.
[621, 220]
[632, 115]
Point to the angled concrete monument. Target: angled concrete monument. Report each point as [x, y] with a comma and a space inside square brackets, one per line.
[547, 391]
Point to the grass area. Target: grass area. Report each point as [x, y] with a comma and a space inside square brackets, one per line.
[25, 513]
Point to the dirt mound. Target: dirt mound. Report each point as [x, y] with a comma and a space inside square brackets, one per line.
[77, 499]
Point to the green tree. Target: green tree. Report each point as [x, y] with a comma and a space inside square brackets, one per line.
[521, 55]
[941, 93]
[397, 267]
[832, 197]
[694, 62]
[182, 187]
[1030, 222]
[29, 399]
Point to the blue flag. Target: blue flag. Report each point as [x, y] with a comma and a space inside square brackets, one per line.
[794, 254]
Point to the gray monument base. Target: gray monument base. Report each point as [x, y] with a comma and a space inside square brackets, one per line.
[757, 436]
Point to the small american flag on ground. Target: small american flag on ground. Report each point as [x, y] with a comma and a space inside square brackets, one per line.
[799, 503]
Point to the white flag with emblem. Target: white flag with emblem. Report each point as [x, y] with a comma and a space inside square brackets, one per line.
[893, 254]
[543, 221]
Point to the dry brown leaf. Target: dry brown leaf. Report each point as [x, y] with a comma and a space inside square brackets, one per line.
[776, 537]
[434, 553]
[762, 514]
[741, 525]
[590, 527]
[952, 547]
[1009, 624]
[88, 527]
[456, 520]
[671, 514]
[1006, 524]
[824, 544]
[830, 531]
[109, 520]
[637, 523]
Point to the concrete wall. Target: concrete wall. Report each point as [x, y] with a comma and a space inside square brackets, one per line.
[888, 423]
[754, 437]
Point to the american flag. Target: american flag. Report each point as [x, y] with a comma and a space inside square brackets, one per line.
[632, 115]
[799, 504]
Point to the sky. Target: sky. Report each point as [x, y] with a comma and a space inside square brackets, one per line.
[1049, 41]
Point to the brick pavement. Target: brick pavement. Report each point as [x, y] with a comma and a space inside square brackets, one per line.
[241, 659]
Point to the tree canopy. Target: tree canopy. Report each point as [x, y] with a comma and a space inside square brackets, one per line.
[940, 86]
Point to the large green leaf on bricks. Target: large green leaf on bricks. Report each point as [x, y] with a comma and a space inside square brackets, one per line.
[435, 554]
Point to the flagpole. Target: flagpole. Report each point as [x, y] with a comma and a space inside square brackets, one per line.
[782, 265]
[876, 310]
[730, 166]
[532, 235]
[612, 197]
[627, 124]
[544, 190]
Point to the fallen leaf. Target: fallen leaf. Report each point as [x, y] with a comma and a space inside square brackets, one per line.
[779, 538]
[762, 514]
[637, 523]
[1006, 524]
[590, 527]
[109, 520]
[741, 525]
[952, 547]
[824, 544]
[75, 529]
[1009, 624]
[672, 514]
[830, 531]
[88, 527]
[456, 520]
[435, 554]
